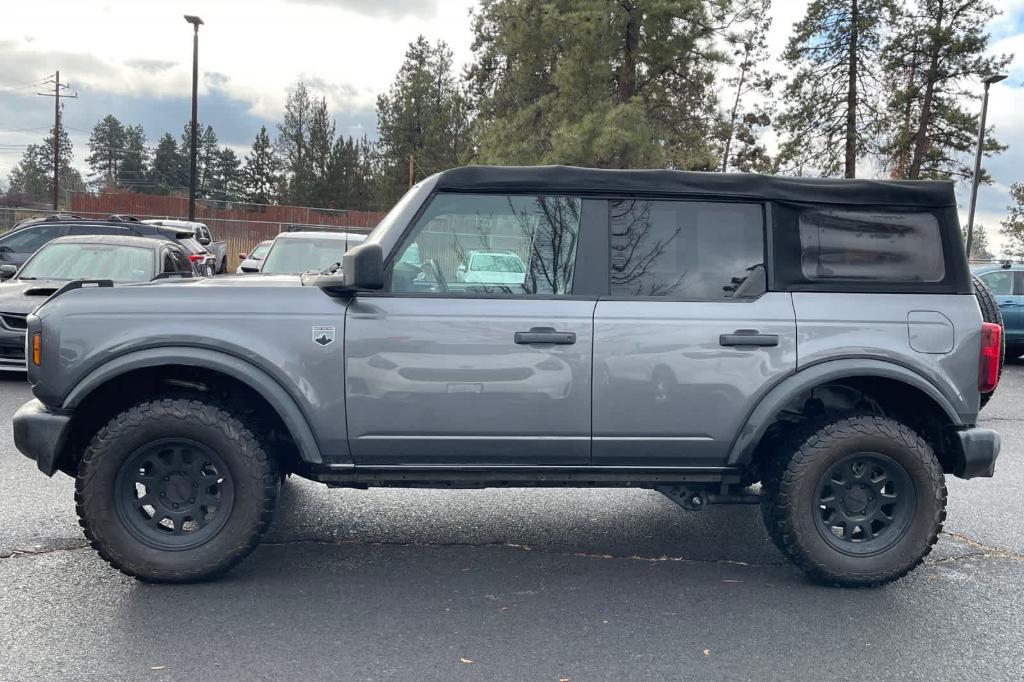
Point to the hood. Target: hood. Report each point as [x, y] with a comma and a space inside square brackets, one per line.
[23, 296]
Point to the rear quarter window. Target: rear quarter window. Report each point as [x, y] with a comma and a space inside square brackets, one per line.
[841, 244]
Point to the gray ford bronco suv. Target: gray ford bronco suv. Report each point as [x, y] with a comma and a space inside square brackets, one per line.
[691, 333]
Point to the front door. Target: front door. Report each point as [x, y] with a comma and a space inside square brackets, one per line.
[689, 338]
[476, 352]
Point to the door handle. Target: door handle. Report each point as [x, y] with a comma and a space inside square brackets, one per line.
[748, 337]
[545, 335]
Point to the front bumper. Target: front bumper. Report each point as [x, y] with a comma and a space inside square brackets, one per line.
[41, 434]
[979, 450]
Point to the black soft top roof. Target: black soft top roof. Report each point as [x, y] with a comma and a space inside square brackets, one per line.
[566, 179]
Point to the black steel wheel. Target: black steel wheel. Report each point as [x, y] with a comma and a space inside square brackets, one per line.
[174, 493]
[176, 489]
[855, 501]
[864, 504]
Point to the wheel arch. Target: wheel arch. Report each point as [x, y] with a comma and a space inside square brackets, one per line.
[856, 372]
[215, 364]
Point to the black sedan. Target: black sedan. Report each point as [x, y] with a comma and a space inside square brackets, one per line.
[123, 259]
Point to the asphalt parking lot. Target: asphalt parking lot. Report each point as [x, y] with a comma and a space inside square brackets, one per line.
[511, 584]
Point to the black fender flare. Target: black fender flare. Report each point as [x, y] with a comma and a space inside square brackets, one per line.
[778, 396]
[246, 372]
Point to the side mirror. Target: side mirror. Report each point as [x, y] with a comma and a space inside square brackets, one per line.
[362, 269]
[205, 241]
[7, 271]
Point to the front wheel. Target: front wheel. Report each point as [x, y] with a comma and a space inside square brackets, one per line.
[856, 502]
[175, 490]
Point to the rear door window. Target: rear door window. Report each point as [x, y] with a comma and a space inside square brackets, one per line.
[1000, 282]
[875, 246]
[688, 250]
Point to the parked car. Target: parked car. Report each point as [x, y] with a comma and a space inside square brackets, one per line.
[17, 245]
[691, 333]
[492, 267]
[303, 251]
[218, 250]
[121, 259]
[251, 262]
[1006, 281]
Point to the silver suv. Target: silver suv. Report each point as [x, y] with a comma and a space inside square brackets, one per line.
[693, 333]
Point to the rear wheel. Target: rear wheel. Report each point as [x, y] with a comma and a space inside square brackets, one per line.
[989, 313]
[857, 502]
[175, 490]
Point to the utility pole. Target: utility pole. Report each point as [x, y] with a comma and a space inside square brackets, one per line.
[994, 78]
[57, 87]
[196, 23]
[410, 171]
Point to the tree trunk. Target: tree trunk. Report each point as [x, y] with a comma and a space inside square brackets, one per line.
[851, 94]
[735, 112]
[627, 72]
[921, 139]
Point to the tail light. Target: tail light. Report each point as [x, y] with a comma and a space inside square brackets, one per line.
[988, 367]
[196, 257]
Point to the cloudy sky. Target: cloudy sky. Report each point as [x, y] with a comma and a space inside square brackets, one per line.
[132, 58]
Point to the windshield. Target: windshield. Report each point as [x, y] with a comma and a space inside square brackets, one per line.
[497, 262]
[259, 252]
[299, 255]
[90, 261]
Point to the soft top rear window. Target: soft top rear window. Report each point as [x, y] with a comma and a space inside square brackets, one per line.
[877, 246]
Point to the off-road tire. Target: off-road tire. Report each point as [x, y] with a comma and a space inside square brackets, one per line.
[989, 313]
[789, 505]
[254, 475]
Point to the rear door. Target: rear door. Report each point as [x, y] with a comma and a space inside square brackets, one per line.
[17, 247]
[1007, 287]
[690, 338]
[441, 372]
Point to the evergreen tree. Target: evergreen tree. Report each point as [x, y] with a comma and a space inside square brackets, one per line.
[31, 180]
[293, 140]
[590, 82]
[1013, 227]
[751, 107]
[206, 153]
[106, 150]
[135, 159]
[321, 143]
[224, 176]
[261, 173]
[423, 116]
[831, 114]
[169, 171]
[979, 243]
[938, 49]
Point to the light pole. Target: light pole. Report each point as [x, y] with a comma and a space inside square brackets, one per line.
[988, 81]
[196, 23]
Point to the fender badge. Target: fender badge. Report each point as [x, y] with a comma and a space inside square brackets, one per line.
[323, 335]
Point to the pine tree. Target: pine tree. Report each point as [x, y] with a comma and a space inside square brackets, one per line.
[937, 51]
[1013, 227]
[31, 180]
[590, 82]
[979, 243]
[831, 114]
[106, 150]
[423, 116]
[751, 107]
[135, 159]
[293, 140]
[261, 172]
[224, 176]
[169, 171]
[321, 143]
